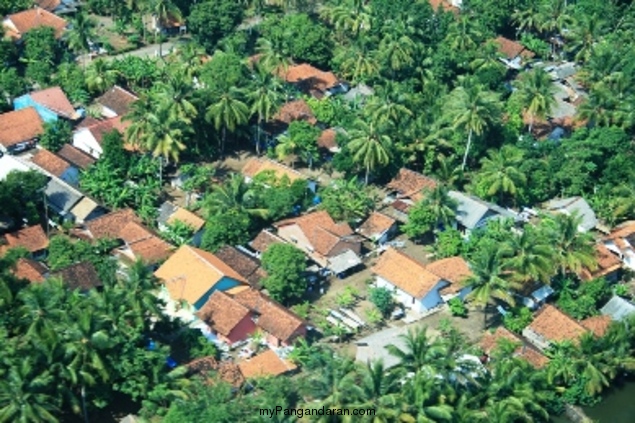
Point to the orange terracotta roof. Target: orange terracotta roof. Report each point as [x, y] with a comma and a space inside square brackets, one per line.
[75, 156]
[191, 272]
[320, 229]
[29, 19]
[110, 225]
[624, 230]
[597, 324]
[491, 340]
[222, 313]
[444, 4]
[117, 99]
[188, 218]
[295, 110]
[607, 263]
[55, 100]
[452, 269]
[151, 249]
[31, 270]
[82, 276]
[50, 162]
[376, 224]
[410, 184]
[257, 165]
[100, 128]
[32, 238]
[328, 139]
[227, 371]
[265, 364]
[556, 326]
[309, 78]
[405, 273]
[512, 49]
[19, 126]
[273, 318]
[49, 5]
[264, 239]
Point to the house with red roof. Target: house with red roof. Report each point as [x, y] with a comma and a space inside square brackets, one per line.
[50, 103]
[88, 138]
[20, 130]
[18, 24]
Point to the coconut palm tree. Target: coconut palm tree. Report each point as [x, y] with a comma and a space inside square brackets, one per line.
[234, 194]
[270, 55]
[574, 250]
[334, 386]
[499, 172]
[388, 105]
[464, 35]
[162, 12]
[370, 148]
[176, 92]
[537, 92]
[380, 389]
[489, 282]
[228, 113]
[583, 36]
[100, 76]
[419, 351]
[80, 33]
[164, 135]
[527, 18]
[441, 205]
[422, 402]
[351, 16]
[472, 109]
[356, 64]
[265, 98]
[553, 17]
[397, 51]
[601, 108]
[530, 256]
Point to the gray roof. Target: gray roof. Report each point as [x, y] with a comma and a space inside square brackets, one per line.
[618, 308]
[61, 196]
[344, 261]
[574, 205]
[166, 210]
[472, 211]
[358, 93]
[563, 71]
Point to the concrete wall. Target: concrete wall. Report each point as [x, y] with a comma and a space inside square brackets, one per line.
[84, 140]
[242, 330]
[405, 299]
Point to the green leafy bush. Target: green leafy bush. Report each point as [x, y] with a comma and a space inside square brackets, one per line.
[457, 307]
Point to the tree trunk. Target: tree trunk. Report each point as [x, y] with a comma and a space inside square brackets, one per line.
[223, 141]
[84, 409]
[467, 149]
[531, 123]
[367, 173]
[258, 137]
[485, 317]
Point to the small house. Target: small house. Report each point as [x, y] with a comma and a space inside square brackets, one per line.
[18, 24]
[30, 270]
[266, 364]
[169, 214]
[524, 351]
[80, 276]
[571, 206]
[473, 213]
[89, 138]
[193, 275]
[229, 320]
[621, 242]
[311, 80]
[50, 103]
[378, 228]
[32, 238]
[327, 141]
[20, 130]
[609, 266]
[61, 198]
[514, 54]
[618, 308]
[263, 241]
[76, 157]
[56, 166]
[116, 102]
[86, 210]
[245, 265]
[419, 287]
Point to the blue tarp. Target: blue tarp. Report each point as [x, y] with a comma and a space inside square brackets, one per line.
[26, 101]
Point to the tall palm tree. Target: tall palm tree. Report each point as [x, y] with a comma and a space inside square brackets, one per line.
[472, 109]
[24, 396]
[265, 98]
[441, 205]
[423, 402]
[234, 194]
[334, 386]
[82, 30]
[553, 17]
[530, 256]
[164, 135]
[527, 18]
[500, 174]
[419, 351]
[271, 56]
[584, 35]
[464, 35]
[397, 51]
[601, 108]
[100, 76]
[388, 106]
[537, 94]
[370, 148]
[176, 92]
[380, 388]
[356, 64]
[574, 250]
[228, 113]
[163, 11]
[351, 16]
[489, 282]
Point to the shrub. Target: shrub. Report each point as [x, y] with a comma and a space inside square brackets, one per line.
[518, 319]
[457, 307]
[382, 299]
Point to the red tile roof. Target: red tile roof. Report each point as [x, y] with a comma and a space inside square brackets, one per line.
[405, 273]
[376, 224]
[82, 276]
[556, 326]
[272, 317]
[111, 224]
[328, 139]
[222, 313]
[227, 371]
[512, 49]
[444, 4]
[100, 128]
[19, 126]
[246, 266]
[55, 100]
[597, 324]
[118, 100]
[32, 18]
[264, 239]
[607, 263]
[309, 78]
[32, 238]
[75, 156]
[265, 364]
[31, 270]
[295, 110]
[410, 184]
[50, 162]
[257, 165]
[452, 269]
[524, 351]
[320, 229]
[49, 5]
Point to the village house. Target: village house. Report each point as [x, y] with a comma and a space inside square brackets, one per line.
[621, 241]
[515, 55]
[571, 206]
[404, 190]
[618, 308]
[30, 270]
[193, 275]
[76, 157]
[32, 238]
[230, 321]
[208, 367]
[18, 24]
[533, 295]
[80, 276]
[86, 209]
[524, 351]
[89, 138]
[266, 364]
[56, 166]
[331, 245]
[552, 325]
[609, 266]
[261, 165]
[417, 286]
[170, 213]
[453, 6]
[137, 241]
[50, 103]
[245, 265]
[20, 130]
[115, 102]
[327, 142]
[473, 213]
[59, 7]
[263, 241]
[312, 81]
[295, 110]
[378, 228]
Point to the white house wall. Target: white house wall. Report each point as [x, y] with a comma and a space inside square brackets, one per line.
[405, 299]
[85, 141]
